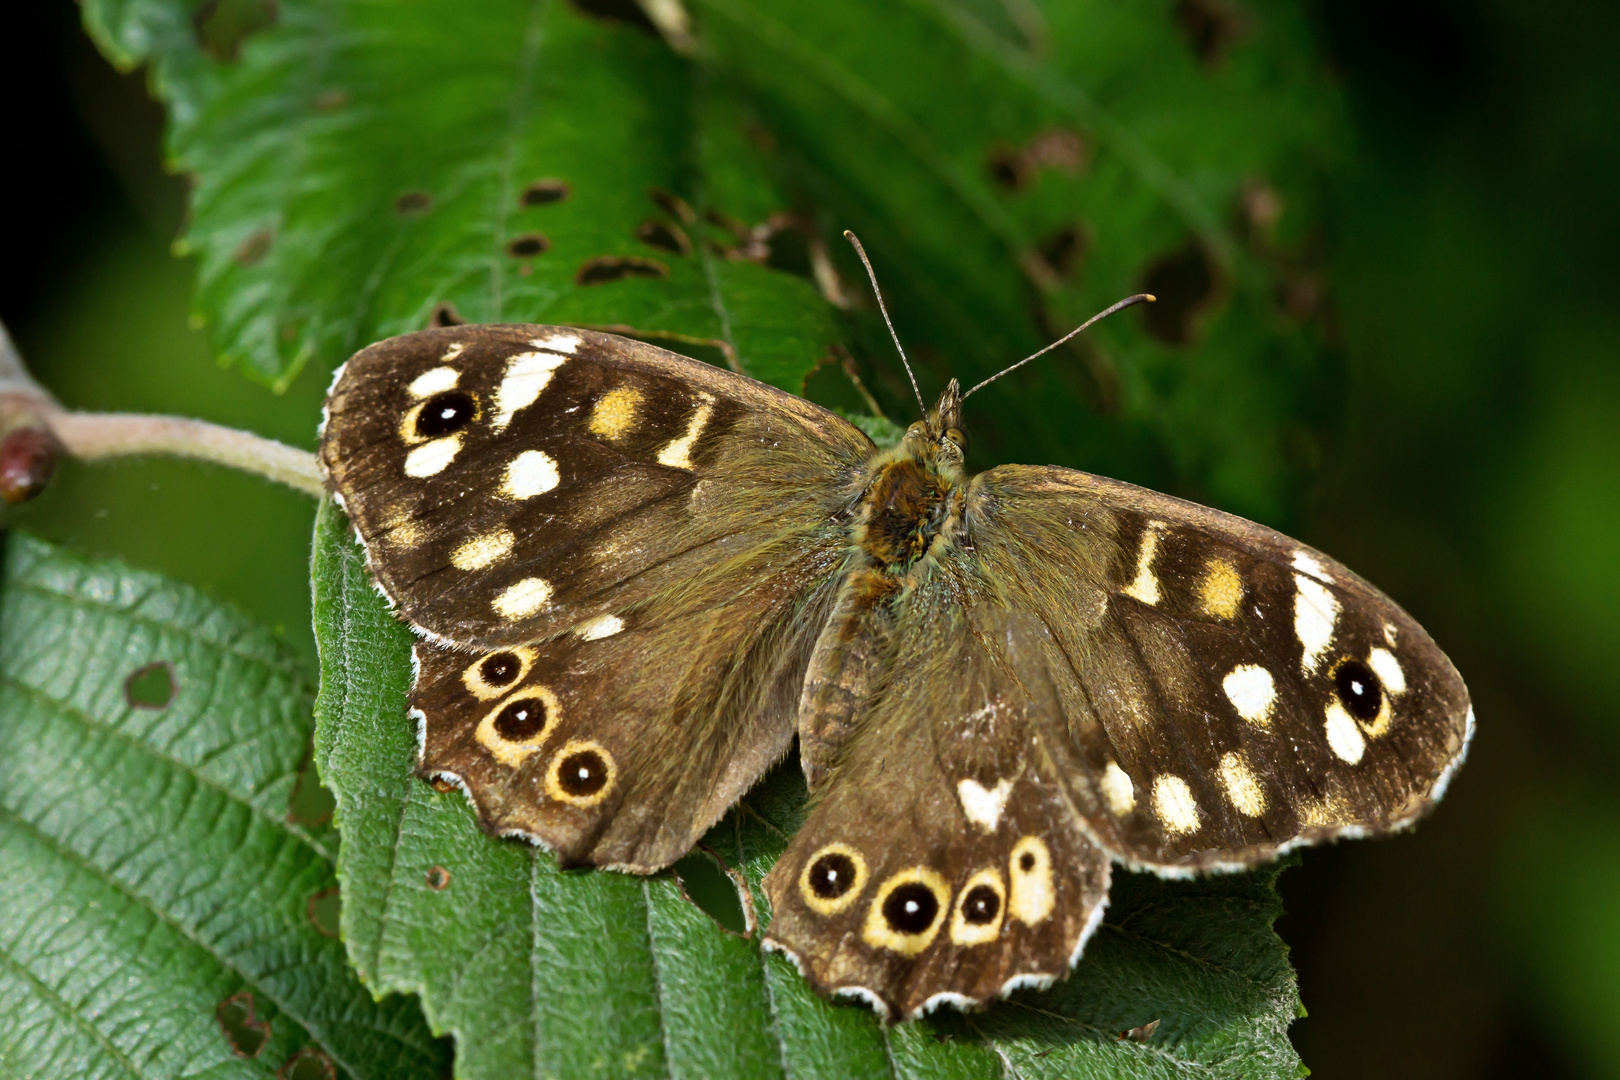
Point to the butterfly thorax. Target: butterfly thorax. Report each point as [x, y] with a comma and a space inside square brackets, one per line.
[912, 503]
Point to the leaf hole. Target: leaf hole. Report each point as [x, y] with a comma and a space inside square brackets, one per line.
[665, 236]
[605, 268]
[1211, 27]
[1185, 283]
[252, 251]
[438, 878]
[1009, 168]
[620, 11]
[324, 911]
[27, 460]
[308, 1064]
[445, 314]
[672, 204]
[527, 246]
[1057, 256]
[150, 687]
[1061, 149]
[542, 192]
[711, 887]
[245, 1032]
[221, 26]
[412, 203]
[310, 803]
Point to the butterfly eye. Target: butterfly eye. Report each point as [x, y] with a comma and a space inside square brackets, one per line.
[981, 905]
[445, 414]
[959, 437]
[1359, 689]
[910, 908]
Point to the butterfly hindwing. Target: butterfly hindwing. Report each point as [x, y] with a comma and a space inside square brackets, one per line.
[1233, 691]
[945, 861]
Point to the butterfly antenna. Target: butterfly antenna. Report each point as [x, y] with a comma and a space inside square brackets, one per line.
[1129, 301]
[853, 239]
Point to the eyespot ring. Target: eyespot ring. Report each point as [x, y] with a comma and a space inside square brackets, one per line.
[832, 878]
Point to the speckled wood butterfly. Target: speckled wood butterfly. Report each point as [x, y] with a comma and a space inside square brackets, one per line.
[637, 577]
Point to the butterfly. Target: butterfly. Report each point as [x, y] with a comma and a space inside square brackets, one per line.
[637, 579]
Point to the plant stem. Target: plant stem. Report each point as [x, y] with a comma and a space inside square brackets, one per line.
[93, 436]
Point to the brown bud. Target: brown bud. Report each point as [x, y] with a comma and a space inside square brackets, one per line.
[27, 459]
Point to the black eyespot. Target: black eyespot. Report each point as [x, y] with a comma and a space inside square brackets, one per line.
[910, 908]
[521, 720]
[500, 669]
[1359, 689]
[444, 414]
[980, 905]
[1026, 861]
[832, 875]
[583, 773]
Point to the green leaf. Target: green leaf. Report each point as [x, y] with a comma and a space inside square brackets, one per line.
[157, 891]
[359, 164]
[965, 149]
[545, 973]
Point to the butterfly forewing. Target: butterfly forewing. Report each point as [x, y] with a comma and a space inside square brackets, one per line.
[506, 479]
[1233, 691]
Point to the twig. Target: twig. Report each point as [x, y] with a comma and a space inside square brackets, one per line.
[96, 436]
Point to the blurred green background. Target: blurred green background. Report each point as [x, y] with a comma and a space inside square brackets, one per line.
[1473, 262]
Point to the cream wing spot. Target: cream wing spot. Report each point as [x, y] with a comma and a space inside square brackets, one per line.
[1118, 790]
[983, 806]
[530, 473]
[527, 374]
[523, 598]
[452, 352]
[617, 412]
[1220, 593]
[482, 551]
[562, 343]
[907, 911]
[1306, 563]
[1145, 587]
[1316, 613]
[832, 878]
[678, 453]
[1242, 790]
[1343, 735]
[1252, 693]
[433, 381]
[1029, 869]
[980, 908]
[603, 626]
[431, 458]
[1174, 804]
[1388, 670]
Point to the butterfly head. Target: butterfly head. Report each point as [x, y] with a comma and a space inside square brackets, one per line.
[940, 436]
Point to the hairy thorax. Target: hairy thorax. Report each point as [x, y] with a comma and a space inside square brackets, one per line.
[909, 513]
